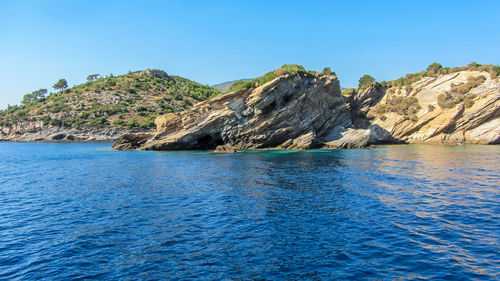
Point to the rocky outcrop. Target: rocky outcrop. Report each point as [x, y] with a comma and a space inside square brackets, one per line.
[131, 141]
[475, 119]
[366, 98]
[225, 149]
[351, 138]
[153, 72]
[290, 112]
[37, 131]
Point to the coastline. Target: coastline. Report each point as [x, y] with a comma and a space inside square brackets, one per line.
[371, 146]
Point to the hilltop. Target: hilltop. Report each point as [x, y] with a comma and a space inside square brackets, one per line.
[102, 108]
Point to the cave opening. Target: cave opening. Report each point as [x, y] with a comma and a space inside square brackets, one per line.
[209, 141]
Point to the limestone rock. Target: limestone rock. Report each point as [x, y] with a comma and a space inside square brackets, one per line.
[305, 141]
[477, 123]
[225, 149]
[366, 98]
[37, 131]
[153, 72]
[308, 111]
[351, 138]
[131, 141]
[292, 112]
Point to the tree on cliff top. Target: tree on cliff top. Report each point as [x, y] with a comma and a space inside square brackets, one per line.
[34, 96]
[61, 84]
[366, 81]
[434, 68]
[93, 77]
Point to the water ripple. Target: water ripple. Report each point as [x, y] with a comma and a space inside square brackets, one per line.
[82, 211]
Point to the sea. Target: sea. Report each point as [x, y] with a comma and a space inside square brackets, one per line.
[73, 211]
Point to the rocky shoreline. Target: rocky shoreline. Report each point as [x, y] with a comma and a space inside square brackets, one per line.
[37, 132]
[309, 112]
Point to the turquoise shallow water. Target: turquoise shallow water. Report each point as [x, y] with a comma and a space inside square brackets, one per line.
[83, 211]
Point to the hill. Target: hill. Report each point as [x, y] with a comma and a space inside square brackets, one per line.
[102, 108]
[225, 86]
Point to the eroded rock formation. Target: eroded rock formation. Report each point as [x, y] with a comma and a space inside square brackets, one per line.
[34, 131]
[415, 114]
[289, 112]
[308, 111]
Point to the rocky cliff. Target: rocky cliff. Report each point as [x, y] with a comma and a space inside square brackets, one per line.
[307, 110]
[460, 107]
[298, 111]
[38, 131]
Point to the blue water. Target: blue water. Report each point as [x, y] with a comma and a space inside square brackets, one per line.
[83, 211]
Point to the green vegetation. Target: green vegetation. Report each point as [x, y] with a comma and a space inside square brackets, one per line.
[366, 81]
[495, 71]
[93, 77]
[460, 93]
[291, 69]
[60, 85]
[405, 106]
[436, 69]
[408, 106]
[238, 85]
[130, 101]
[326, 71]
[34, 96]
[348, 92]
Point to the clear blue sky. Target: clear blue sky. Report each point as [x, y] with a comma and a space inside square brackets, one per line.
[215, 41]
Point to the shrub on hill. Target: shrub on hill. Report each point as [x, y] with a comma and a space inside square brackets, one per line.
[348, 92]
[434, 68]
[291, 69]
[366, 81]
[460, 93]
[405, 106]
[238, 85]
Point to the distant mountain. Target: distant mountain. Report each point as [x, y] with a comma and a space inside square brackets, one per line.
[223, 87]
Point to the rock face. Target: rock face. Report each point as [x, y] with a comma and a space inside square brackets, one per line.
[351, 138]
[308, 111]
[474, 120]
[289, 112]
[131, 141]
[37, 131]
[366, 98]
[225, 149]
[153, 72]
